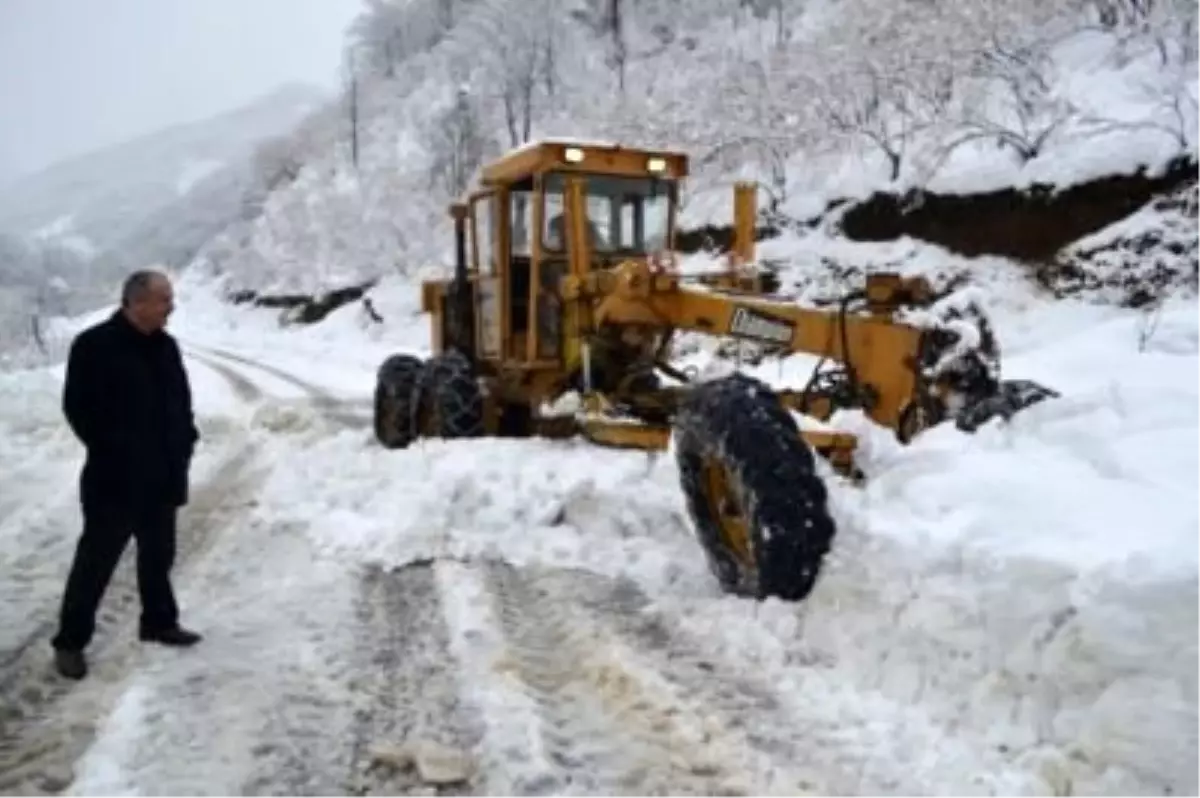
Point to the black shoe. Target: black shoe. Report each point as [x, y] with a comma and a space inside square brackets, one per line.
[70, 664]
[176, 636]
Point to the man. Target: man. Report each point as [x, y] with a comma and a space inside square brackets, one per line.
[128, 400]
[556, 235]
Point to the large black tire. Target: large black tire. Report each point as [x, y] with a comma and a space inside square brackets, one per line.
[449, 401]
[736, 424]
[395, 383]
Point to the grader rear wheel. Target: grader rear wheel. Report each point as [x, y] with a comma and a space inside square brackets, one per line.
[448, 401]
[394, 385]
[759, 507]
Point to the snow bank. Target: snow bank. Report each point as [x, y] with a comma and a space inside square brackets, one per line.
[557, 503]
[1136, 261]
[340, 353]
[1034, 581]
[1037, 581]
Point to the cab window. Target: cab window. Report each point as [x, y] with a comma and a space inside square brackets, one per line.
[624, 214]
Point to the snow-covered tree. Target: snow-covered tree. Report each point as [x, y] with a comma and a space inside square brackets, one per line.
[458, 142]
[749, 88]
[510, 41]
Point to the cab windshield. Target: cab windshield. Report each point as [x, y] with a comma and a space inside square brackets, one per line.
[624, 214]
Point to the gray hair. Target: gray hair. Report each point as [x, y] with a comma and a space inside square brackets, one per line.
[137, 285]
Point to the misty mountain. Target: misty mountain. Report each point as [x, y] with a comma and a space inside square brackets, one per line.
[69, 233]
[153, 198]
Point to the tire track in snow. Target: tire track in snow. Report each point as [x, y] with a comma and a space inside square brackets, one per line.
[19, 488]
[308, 388]
[580, 696]
[352, 413]
[27, 617]
[244, 389]
[46, 722]
[40, 504]
[585, 688]
[408, 693]
[265, 704]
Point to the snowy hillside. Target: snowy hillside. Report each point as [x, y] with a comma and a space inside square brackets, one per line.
[86, 222]
[965, 97]
[102, 196]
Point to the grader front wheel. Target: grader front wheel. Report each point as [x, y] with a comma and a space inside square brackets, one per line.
[758, 506]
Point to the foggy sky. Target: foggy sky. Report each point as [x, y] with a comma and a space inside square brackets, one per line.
[81, 74]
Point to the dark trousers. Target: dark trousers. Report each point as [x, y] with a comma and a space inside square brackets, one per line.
[106, 533]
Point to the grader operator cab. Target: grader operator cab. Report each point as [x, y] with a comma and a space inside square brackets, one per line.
[563, 283]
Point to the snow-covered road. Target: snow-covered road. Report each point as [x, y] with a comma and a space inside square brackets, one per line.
[554, 676]
[46, 723]
[1010, 612]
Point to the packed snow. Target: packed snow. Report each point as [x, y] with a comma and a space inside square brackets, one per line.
[1013, 611]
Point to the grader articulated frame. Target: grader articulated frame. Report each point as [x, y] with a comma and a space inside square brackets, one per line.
[561, 287]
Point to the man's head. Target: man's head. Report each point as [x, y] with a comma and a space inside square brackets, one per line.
[147, 300]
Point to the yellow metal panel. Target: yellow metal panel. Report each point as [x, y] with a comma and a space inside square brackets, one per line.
[514, 166]
[744, 212]
[502, 256]
[577, 226]
[623, 435]
[535, 277]
[538, 158]
[473, 248]
[430, 291]
[577, 313]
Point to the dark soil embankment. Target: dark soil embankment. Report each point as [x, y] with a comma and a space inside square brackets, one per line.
[1031, 224]
[1152, 254]
[1146, 248]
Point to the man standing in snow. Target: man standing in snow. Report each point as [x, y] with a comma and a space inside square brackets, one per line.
[127, 398]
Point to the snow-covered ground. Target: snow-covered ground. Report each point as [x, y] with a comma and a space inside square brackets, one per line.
[1013, 611]
[1009, 612]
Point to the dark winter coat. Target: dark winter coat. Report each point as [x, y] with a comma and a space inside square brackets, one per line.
[128, 400]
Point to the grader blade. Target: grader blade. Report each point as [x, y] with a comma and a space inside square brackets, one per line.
[617, 434]
[1010, 398]
[960, 356]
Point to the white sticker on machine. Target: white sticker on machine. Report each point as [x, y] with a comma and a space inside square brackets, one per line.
[749, 324]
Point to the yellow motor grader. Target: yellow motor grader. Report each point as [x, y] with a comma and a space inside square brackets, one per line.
[564, 283]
